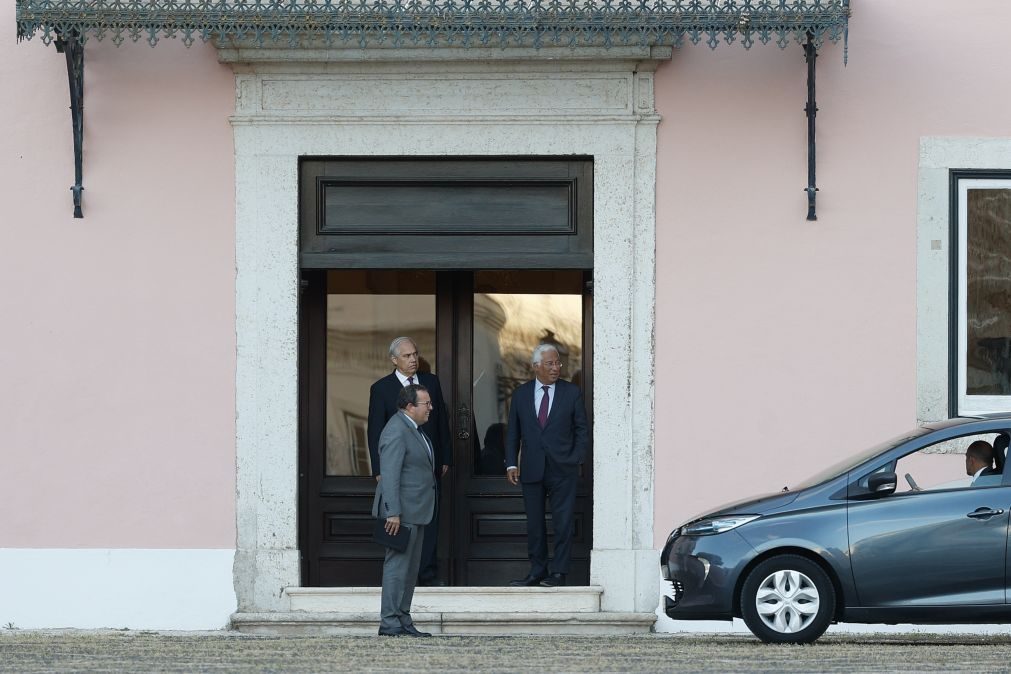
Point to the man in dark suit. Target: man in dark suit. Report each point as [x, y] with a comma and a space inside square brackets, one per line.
[979, 464]
[383, 406]
[405, 498]
[548, 417]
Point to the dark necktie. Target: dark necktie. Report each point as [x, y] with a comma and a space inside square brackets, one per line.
[542, 413]
[410, 381]
[428, 445]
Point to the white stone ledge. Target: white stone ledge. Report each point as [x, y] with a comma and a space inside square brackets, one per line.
[366, 623]
[303, 57]
[455, 120]
[578, 599]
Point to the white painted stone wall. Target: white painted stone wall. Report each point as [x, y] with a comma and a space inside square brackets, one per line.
[444, 103]
[116, 588]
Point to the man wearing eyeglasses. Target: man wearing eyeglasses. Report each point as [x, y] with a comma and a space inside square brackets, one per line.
[405, 497]
[383, 395]
[548, 418]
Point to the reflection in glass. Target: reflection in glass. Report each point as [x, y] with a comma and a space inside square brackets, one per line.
[507, 327]
[988, 292]
[365, 311]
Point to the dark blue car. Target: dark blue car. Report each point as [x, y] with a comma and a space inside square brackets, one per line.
[912, 531]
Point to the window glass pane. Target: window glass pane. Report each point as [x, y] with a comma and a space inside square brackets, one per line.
[513, 313]
[988, 292]
[365, 311]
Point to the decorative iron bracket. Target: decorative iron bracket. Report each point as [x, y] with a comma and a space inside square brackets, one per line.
[69, 45]
[811, 56]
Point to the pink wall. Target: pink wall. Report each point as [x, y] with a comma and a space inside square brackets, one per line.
[783, 344]
[118, 358]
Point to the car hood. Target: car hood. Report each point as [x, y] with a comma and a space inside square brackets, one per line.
[755, 505]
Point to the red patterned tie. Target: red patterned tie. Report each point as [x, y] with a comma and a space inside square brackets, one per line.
[542, 413]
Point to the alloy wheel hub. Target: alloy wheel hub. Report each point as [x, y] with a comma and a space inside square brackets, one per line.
[787, 601]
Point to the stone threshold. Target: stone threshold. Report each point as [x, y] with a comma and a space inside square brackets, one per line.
[448, 611]
[316, 623]
[497, 599]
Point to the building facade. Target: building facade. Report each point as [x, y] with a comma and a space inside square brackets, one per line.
[183, 436]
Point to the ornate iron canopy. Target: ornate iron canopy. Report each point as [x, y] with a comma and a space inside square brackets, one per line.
[432, 23]
[437, 23]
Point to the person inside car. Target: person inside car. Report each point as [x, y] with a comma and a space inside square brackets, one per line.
[979, 464]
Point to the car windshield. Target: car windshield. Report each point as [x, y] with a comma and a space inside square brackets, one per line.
[851, 462]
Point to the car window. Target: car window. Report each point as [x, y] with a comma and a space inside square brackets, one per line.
[855, 460]
[945, 465]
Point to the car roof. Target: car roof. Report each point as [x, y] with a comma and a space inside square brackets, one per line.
[959, 421]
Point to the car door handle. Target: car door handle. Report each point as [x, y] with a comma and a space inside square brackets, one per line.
[984, 513]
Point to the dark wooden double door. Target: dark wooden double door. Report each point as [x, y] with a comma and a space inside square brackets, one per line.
[475, 330]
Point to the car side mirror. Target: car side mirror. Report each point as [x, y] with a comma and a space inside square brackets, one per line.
[882, 484]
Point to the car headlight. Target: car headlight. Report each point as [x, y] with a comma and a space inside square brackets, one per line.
[716, 525]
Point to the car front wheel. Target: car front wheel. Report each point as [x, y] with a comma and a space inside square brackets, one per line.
[787, 599]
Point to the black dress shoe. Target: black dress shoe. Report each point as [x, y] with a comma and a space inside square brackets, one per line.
[432, 582]
[393, 632]
[529, 581]
[554, 580]
[413, 631]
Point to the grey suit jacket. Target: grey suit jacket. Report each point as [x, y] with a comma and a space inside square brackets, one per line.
[407, 488]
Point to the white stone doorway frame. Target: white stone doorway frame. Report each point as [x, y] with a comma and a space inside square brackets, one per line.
[452, 102]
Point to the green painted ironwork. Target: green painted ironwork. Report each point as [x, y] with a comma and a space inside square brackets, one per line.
[429, 23]
[438, 23]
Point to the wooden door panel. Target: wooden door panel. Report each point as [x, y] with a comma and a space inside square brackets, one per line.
[443, 213]
[350, 572]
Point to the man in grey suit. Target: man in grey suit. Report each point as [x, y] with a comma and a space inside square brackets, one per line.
[405, 497]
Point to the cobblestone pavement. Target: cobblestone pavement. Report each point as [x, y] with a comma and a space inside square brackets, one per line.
[108, 651]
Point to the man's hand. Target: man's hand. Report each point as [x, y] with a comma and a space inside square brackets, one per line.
[445, 469]
[393, 525]
[513, 475]
[378, 477]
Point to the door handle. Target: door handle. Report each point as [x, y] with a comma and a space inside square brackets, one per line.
[984, 513]
[463, 422]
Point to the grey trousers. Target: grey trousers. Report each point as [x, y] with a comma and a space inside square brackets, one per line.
[400, 575]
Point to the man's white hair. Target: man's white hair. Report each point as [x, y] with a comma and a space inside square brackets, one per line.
[539, 352]
[395, 344]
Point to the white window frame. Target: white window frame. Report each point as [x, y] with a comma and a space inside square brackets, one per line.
[938, 227]
[970, 405]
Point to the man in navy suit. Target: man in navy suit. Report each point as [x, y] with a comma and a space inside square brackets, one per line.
[548, 417]
[383, 406]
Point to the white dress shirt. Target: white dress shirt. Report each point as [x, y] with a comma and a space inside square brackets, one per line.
[403, 377]
[539, 393]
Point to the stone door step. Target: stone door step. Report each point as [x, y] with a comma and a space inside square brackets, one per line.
[448, 610]
[312, 623]
[580, 599]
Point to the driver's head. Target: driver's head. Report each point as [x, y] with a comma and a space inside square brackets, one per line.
[978, 455]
